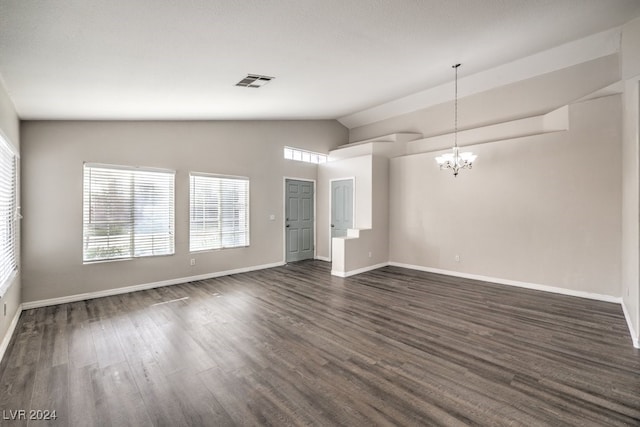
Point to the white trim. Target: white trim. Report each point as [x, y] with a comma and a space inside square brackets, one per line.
[217, 175]
[324, 156]
[142, 287]
[14, 218]
[359, 270]
[241, 179]
[6, 140]
[7, 336]
[284, 215]
[323, 258]
[6, 285]
[535, 286]
[128, 168]
[632, 331]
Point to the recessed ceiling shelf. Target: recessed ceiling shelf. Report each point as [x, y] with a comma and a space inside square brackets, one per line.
[554, 121]
[400, 144]
[391, 145]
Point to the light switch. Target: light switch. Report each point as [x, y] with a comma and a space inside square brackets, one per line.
[272, 217]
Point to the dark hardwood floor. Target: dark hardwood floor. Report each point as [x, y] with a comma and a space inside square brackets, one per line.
[295, 346]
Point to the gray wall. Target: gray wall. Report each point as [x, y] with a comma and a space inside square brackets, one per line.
[375, 242]
[359, 168]
[9, 126]
[631, 175]
[53, 154]
[381, 208]
[542, 209]
[371, 199]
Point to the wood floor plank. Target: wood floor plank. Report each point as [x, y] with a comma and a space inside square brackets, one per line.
[160, 400]
[50, 400]
[16, 389]
[116, 386]
[107, 344]
[198, 405]
[231, 390]
[81, 349]
[54, 349]
[84, 408]
[294, 345]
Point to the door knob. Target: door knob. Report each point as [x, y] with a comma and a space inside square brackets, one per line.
[287, 225]
[332, 225]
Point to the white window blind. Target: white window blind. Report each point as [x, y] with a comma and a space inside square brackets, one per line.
[8, 211]
[219, 212]
[128, 212]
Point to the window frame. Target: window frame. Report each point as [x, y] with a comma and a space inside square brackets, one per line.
[171, 218]
[12, 217]
[247, 208]
[304, 156]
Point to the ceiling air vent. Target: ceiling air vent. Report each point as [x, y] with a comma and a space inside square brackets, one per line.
[254, 80]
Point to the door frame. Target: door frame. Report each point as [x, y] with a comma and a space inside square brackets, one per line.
[284, 215]
[353, 210]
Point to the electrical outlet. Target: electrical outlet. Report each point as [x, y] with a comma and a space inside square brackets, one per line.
[193, 261]
[369, 254]
[457, 257]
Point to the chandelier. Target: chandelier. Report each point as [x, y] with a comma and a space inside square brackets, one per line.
[456, 160]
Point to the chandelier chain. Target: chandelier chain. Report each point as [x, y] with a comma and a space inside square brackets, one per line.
[455, 125]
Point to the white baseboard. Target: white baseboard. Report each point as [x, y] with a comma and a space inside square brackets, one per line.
[358, 271]
[632, 331]
[142, 287]
[534, 286]
[323, 258]
[9, 333]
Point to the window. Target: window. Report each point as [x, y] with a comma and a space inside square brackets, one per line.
[8, 211]
[304, 155]
[128, 212]
[219, 212]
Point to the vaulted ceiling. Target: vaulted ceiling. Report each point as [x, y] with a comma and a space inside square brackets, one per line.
[150, 59]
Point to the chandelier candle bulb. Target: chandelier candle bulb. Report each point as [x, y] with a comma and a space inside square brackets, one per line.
[456, 160]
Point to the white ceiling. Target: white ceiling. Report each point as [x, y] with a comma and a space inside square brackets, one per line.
[162, 59]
